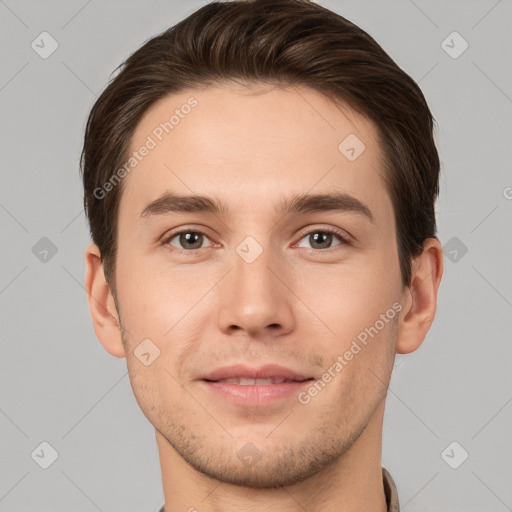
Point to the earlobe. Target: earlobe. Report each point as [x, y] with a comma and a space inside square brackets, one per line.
[101, 304]
[420, 298]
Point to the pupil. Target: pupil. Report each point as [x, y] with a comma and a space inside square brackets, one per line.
[321, 238]
[191, 239]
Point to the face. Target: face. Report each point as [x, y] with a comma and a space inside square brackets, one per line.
[279, 264]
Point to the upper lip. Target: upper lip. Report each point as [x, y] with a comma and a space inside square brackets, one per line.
[268, 371]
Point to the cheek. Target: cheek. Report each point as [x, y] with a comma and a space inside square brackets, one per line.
[151, 302]
[170, 310]
[351, 299]
[358, 305]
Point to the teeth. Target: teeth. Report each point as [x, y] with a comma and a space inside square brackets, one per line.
[243, 381]
[248, 382]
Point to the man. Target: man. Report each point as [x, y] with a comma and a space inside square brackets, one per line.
[260, 183]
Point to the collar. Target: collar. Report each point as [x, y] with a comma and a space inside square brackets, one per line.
[390, 492]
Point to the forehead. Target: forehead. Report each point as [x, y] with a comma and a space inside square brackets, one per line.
[246, 145]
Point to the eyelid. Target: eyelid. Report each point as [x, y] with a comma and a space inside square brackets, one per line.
[344, 236]
[167, 237]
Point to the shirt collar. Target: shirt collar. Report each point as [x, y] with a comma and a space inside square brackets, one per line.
[390, 491]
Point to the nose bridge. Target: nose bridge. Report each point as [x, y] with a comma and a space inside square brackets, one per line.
[252, 277]
[253, 298]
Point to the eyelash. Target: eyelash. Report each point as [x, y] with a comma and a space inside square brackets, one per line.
[340, 234]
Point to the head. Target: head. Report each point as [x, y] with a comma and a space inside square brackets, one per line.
[260, 182]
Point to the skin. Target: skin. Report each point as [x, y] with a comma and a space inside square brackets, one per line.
[299, 304]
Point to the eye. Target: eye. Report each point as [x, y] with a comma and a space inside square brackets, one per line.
[188, 240]
[323, 239]
[318, 239]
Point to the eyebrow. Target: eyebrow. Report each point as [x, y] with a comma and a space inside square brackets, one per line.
[171, 202]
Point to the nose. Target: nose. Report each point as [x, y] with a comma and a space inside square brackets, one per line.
[254, 301]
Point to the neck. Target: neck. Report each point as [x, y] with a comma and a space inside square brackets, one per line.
[351, 483]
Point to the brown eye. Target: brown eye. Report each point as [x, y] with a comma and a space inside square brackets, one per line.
[321, 239]
[187, 240]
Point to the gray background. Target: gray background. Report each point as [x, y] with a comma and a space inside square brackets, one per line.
[58, 384]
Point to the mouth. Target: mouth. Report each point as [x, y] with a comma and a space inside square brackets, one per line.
[246, 376]
[249, 381]
[250, 387]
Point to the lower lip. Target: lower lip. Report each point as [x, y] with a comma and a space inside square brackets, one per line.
[255, 395]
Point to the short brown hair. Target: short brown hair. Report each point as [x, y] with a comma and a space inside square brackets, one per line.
[283, 42]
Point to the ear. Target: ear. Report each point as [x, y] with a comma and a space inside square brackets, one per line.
[101, 304]
[420, 297]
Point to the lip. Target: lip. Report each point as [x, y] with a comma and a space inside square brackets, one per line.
[255, 395]
[267, 371]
